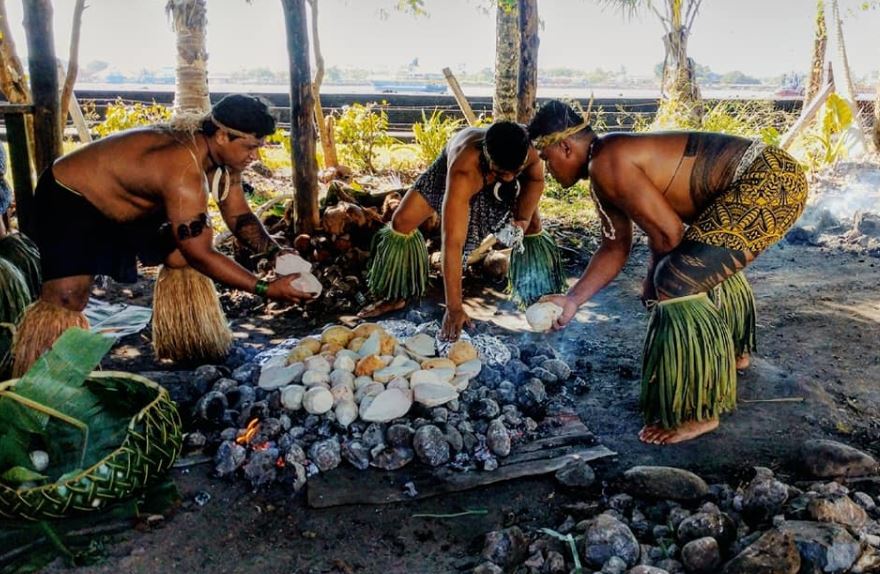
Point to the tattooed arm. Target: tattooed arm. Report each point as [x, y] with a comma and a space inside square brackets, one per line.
[187, 210]
[242, 222]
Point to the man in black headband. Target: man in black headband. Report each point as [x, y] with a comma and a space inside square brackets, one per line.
[484, 178]
[143, 194]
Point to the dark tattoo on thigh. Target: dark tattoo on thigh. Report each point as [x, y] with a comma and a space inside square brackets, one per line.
[249, 230]
[696, 268]
[194, 228]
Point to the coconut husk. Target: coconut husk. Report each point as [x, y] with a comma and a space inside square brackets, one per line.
[40, 326]
[188, 322]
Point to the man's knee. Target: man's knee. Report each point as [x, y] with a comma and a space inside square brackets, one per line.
[70, 292]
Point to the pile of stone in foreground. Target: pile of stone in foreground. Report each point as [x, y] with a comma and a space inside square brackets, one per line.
[668, 520]
[381, 395]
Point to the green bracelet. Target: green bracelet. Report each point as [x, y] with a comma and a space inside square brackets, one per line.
[262, 288]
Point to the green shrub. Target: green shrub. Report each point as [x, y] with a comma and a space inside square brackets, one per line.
[360, 131]
[825, 142]
[122, 116]
[432, 133]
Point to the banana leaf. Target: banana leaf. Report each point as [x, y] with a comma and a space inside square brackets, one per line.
[53, 408]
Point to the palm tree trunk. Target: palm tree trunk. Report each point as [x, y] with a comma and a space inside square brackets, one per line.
[528, 60]
[847, 77]
[325, 128]
[681, 94]
[44, 82]
[302, 213]
[507, 50]
[820, 43]
[189, 20]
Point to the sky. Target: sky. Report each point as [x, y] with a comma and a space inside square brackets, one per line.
[762, 38]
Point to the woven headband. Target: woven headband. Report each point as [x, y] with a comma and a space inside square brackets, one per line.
[556, 137]
[233, 131]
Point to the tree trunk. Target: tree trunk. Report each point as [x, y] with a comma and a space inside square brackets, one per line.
[507, 50]
[190, 21]
[528, 60]
[72, 63]
[44, 82]
[302, 212]
[820, 43]
[852, 100]
[11, 71]
[876, 132]
[328, 144]
[681, 94]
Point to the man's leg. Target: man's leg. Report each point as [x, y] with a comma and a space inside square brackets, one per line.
[402, 235]
[689, 271]
[60, 307]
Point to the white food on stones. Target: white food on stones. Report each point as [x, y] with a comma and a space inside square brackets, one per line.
[39, 460]
[342, 378]
[421, 344]
[362, 382]
[346, 413]
[433, 394]
[370, 390]
[423, 376]
[460, 383]
[392, 372]
[307, 283]
[318, 363]
[292, 397]
[398, 383]
[344, 363]
[290, 263]
[342, 393]
[317, 401]
[372, 345]
[541, 316]
[312, 378]
[272, 378]
[443, 375]
[469, 369]
[388, 405]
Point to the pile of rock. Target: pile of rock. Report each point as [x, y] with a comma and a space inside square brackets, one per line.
[373, 398]
[662, 520]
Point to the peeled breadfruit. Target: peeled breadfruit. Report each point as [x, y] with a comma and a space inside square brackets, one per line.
[339, 334]
[307, 283]
[290, 263]
[462, 351]
[541, 316]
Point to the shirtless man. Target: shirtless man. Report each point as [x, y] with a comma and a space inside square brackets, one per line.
[485, 178]
[709, 204]
[144, 193]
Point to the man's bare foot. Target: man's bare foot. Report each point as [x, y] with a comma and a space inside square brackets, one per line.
[380, 308]
[656, 434]
[743, 362]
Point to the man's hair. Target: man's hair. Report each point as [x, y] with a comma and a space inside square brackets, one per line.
[242, 112]
[507, 144]
[553, 117]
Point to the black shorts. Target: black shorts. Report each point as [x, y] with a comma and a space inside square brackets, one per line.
[76, 239]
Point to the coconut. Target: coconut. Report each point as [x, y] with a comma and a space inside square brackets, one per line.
[318, 363]
[541, 316]
[292, 397]
[317, 401]
[421, 344]
[312, 378]
[346, 413]
[341, 393]
[307, 283]
[340, 377]
[366, 329]
[311, 343]
[338, 334]
[331, 348]
[462, 351]
[289, 263]
[344, 363]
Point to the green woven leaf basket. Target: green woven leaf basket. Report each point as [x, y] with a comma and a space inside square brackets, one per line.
[150, 443]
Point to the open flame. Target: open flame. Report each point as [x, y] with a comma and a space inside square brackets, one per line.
[253, 427]
[261, 446]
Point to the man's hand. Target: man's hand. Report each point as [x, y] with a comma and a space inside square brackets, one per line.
[522, 224]
[569, 308]
[281, 289]
[453, 321]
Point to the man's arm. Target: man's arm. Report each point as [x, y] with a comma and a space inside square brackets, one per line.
[243, 222]
[456, 206]
[187, 210]
[532, 182]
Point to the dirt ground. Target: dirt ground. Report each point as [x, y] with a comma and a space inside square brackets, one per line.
[819, 327]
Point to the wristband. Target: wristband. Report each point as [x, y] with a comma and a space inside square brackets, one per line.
[262, 288]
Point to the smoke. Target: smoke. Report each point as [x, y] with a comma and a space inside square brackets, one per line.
[841, 193]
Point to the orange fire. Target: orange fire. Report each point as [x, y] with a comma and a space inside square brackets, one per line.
[280, 462]
[261, 447]
[253, 427]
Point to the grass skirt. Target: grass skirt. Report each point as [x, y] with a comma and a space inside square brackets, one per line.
[40, 326]
[736, 303]
[188, 322]
[688, 368]
[19, 250]
[398, 265]
[536, 270]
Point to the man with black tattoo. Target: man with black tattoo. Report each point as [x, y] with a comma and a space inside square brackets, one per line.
[709, 204]
[143, 194]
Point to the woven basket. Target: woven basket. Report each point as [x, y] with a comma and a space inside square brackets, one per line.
[151, 445]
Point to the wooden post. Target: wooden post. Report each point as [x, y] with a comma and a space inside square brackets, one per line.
[76, 115]
[19, 159]
[44, 82]
[459, 97]
[806, 116]
[528, 61]
[303, 210]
